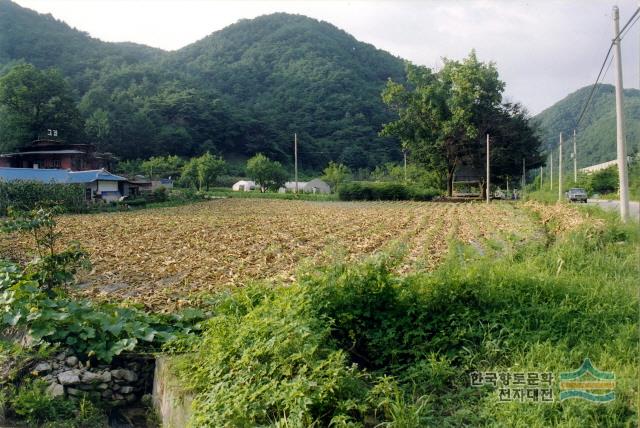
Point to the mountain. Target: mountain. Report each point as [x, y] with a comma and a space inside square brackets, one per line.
[241, 90]
[596, 135]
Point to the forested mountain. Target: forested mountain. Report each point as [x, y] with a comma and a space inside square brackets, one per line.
[596, 135]
[241, 90]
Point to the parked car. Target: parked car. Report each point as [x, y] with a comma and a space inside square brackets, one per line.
[577, 194]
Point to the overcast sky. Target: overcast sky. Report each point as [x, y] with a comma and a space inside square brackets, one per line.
[544, 49]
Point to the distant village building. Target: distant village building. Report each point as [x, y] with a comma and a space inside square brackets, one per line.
[244, 186]
[99, 184]
[314, 186]
[53, 154]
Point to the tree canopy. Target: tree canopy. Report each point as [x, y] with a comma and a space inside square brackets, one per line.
[32, 101]
[267, 173]
[443, 117]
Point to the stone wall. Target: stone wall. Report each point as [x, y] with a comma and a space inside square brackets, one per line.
[122, 382]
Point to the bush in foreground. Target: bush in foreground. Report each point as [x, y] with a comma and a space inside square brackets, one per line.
[360, 346]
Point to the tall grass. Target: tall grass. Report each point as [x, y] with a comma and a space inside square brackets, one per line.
[356, 345]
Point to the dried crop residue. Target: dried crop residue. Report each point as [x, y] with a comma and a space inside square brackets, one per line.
[159, 257]
[562, 218]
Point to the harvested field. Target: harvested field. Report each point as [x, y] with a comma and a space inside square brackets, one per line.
[159, 257]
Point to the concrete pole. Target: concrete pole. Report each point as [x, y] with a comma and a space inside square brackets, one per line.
[488, 186]
[524, 176]
[575, 159]
[404, 152]
[620, 140]
[541, 177]
[551, 171]
[560, 170]
[295, 159]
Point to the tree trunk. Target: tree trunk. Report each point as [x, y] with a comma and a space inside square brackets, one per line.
[450, 182]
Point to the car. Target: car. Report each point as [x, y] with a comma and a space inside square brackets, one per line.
[577, 194]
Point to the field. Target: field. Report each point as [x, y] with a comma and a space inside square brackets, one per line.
[163, 257]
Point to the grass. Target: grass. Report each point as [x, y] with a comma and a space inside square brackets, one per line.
[401, 348]
[228, 193]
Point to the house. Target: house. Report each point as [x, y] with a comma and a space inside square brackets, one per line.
[99, 184]
[244, 186]
[54, 154]
[314, 186]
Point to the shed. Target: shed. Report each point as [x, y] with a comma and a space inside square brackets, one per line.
[244, 186]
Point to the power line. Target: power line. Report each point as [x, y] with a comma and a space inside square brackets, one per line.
[628, 25]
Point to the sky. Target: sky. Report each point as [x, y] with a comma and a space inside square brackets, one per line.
[544, 49]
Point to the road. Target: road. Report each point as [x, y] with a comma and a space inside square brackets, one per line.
[634, 206]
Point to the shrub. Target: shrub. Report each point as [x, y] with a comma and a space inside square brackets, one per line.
[28, 195]
[384, 191]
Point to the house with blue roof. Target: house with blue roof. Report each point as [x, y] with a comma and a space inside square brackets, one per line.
[99, 183]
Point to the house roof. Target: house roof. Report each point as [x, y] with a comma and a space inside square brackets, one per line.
[44, 152]
[57, 175]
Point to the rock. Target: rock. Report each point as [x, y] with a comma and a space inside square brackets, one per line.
[106, 394]
[118, 396]
[74, 392]
[69, 377]
[125, 389]
[71, 361]
[130, 398]
[116, 403]
[106, 377]
[42, 368]
[116, 387]
[128, 375]
[55, 390]
[56, 365]
[91, 377]
[102, 387]
[85, 387]
[61, 356]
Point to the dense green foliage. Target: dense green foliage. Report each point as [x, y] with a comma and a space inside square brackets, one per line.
[443, 118]
[242, 90]
[596, 136]
[384, 191]
[273, 357]
[267, 173]
[35, 297]
[203, 171]
[28, 195]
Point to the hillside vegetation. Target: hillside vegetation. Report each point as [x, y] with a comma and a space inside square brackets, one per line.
[244, 89]
[597, 132]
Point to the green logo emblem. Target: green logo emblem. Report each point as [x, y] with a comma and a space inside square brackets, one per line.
[582, 382]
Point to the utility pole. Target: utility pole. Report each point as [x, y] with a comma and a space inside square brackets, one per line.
[404, 152]
[551, 170]
[575, 159]
[524, 178]
[620, 140]
[541, 177]
[560, 170]
[488, 175]
[295, 157]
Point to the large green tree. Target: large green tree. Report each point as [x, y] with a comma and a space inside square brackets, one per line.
[202, 172]
[441, 115]
[335, 174]
[269, 174]
[32, 101]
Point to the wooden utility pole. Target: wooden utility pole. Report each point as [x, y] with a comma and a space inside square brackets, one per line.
[560, 169]
[295, 160]
[488, 186]
[575, 159]
[623, 178]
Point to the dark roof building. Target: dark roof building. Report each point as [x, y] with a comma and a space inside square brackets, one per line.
[54, 154]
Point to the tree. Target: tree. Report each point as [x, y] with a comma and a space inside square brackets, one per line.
[335, 173]
[442, 116]
[209, 168]
[267, 173]
[202, 172]
[162, 166]
[32, 101]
